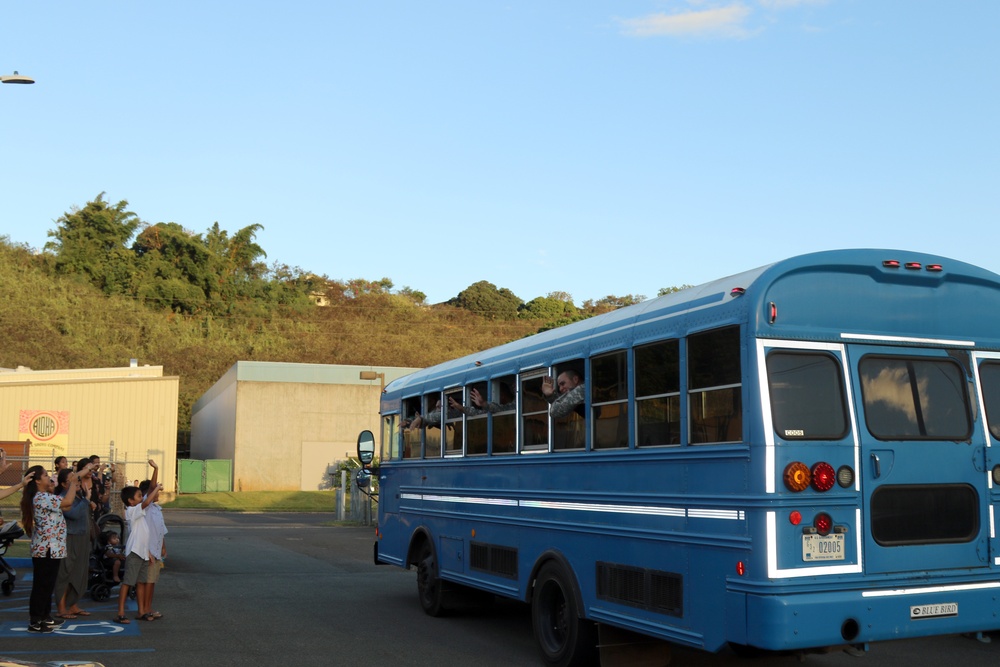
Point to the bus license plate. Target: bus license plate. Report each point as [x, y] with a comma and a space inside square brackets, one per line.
[823, 547]
[934, 610]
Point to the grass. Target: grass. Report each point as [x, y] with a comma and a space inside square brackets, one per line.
[257, 501]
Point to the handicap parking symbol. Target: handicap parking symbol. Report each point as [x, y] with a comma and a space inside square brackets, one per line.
[75, 628]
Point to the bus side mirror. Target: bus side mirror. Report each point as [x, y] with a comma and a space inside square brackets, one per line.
[366, 448]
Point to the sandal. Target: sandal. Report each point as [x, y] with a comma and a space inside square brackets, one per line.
[122, 619]
[155, 614]
[68, 616]
[145, 617]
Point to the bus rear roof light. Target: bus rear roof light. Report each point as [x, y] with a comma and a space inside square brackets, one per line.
[737, 291]
[772, 312]
[823, 476]
[935, 267]
[796, 476]
[891, 263]
[914, 266]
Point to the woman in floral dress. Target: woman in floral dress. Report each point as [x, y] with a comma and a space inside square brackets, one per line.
[42, 516]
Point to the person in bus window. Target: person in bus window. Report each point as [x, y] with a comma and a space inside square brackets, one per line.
[507, 401]
[433, 418]
[571, 394]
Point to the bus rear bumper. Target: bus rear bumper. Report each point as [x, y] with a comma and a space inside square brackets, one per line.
[799, 621]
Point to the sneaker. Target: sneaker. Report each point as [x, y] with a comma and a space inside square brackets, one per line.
[53, 622]
[38, 627]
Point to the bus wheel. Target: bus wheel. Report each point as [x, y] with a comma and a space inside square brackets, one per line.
[429, 586]
[563, 637]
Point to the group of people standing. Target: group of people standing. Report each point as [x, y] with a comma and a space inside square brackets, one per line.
[59, 512]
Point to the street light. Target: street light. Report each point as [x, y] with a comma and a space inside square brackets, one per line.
[15, 78]
[372, 375]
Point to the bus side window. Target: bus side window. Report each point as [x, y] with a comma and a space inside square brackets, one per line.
[609, 400]
[475, 421]
[714, 386]
[392, 439]
[453, 430]
[534, 415]
[658, 394]
[503, 411]
[432, 416]
[568, 410]
[410, 436]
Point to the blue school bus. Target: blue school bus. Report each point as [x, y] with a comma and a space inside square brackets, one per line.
[795, 457]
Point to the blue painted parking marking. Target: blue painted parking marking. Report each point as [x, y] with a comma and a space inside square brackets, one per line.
[73, 628]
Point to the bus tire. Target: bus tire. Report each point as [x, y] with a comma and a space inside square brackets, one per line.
[429, 586]
[563, 637]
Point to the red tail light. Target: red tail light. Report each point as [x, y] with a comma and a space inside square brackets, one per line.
[823, 476]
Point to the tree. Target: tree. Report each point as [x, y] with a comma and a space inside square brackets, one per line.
[416, 296]
[175, 268]
[93, 242]
[484, 299]
[241, 273]
[671, 290]
[561, 296]
[611, 302]
[359, 287]
[549, 309]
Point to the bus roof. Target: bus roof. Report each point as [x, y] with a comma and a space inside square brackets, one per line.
[818, 296]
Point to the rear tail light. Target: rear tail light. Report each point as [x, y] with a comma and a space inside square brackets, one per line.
[823, 523]
[823, 476]
[796, 476]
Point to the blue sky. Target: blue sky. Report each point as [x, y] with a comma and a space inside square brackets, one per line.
[588, 147]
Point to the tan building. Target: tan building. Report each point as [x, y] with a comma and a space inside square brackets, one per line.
[285, 426]
[127, 413]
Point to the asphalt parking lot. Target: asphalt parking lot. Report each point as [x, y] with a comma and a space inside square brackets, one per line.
[261, 589]
[236, 588]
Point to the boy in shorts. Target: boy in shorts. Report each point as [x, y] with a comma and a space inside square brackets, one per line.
[137, 556]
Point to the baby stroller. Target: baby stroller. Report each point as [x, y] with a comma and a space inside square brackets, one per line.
[102, 579]
[9, 531]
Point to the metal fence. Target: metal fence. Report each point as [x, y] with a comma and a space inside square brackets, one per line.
[361, 508]
[126, 473]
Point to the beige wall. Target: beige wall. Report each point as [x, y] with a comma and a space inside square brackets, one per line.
[283, 430]
[286, 425]
[136, 408]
